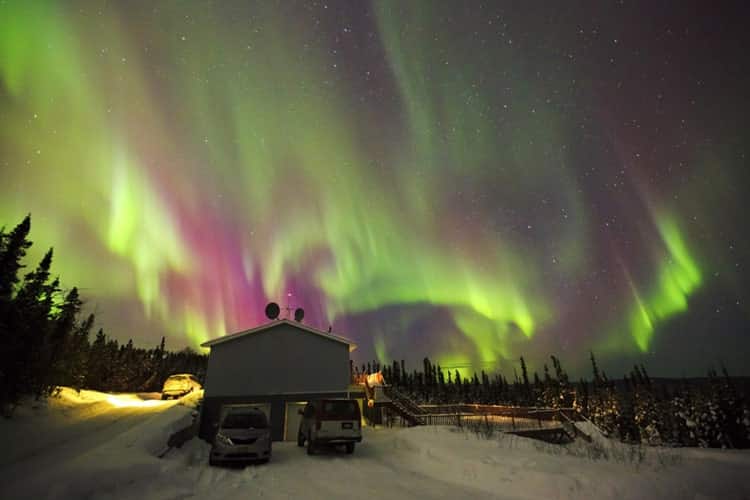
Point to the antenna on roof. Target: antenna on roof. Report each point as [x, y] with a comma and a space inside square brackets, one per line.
[272, 310]
[288, 307]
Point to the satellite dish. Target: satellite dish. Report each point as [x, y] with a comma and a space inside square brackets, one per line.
[299, 313]
[272, 310]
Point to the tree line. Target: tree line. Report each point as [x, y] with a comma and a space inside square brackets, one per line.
[44, 336]
[44, 343]
[707, 412]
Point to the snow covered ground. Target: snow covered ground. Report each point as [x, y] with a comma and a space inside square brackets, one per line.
[98, 446]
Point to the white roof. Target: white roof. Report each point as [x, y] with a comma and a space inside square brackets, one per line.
[277, 322]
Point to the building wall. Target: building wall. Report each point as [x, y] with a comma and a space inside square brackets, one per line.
[282, 359]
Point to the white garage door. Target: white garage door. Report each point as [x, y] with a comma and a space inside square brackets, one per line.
[291, 422]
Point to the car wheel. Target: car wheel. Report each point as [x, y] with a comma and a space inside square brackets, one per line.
[350, 448]
[310, 447]
[300, 439]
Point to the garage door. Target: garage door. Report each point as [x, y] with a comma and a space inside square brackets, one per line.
[291, 422]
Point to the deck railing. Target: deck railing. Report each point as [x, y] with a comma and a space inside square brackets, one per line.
[504, 418]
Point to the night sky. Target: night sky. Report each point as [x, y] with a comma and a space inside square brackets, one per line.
[468, 181]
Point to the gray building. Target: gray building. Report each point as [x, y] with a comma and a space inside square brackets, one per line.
[278, 367]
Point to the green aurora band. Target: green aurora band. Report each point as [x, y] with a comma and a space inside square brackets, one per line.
[678, 277]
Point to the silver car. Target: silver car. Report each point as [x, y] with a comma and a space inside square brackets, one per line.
[243, 435]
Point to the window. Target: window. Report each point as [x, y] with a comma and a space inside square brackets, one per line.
[345, 410]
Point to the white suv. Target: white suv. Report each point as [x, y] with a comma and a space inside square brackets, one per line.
[330, 422]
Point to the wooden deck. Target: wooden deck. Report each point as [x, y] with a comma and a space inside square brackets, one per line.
[554, 425]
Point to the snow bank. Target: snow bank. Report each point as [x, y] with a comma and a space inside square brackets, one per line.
[112, 456]
[523, 468]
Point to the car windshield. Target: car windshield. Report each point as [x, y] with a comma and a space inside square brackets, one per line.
[256, 420]
[341, 409]
[176, 378]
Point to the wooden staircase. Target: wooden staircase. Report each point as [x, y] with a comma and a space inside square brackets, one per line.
[404, 407]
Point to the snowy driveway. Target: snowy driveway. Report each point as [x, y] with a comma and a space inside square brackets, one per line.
[116, 459]
[44, 441]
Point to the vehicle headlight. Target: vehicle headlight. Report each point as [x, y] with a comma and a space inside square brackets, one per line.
[221, 438]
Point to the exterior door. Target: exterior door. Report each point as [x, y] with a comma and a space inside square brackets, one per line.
[292, 420]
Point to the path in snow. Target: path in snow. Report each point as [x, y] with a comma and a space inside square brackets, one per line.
[43, 440]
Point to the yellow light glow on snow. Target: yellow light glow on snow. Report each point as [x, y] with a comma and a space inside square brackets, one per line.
[133, 401]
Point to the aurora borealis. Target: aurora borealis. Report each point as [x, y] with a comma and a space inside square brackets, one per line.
[467, 181]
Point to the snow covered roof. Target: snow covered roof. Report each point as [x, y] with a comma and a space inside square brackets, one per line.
[274, 323]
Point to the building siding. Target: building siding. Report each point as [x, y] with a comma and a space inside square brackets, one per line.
[282, 359]
[273, 367]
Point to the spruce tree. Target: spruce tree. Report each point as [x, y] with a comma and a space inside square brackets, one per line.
[56, 369]
[77, 355]
[526, 385]
[97, 359]
[427, 372]
[595, 369]
[13, 248]
[486, 392]
[34, 327]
